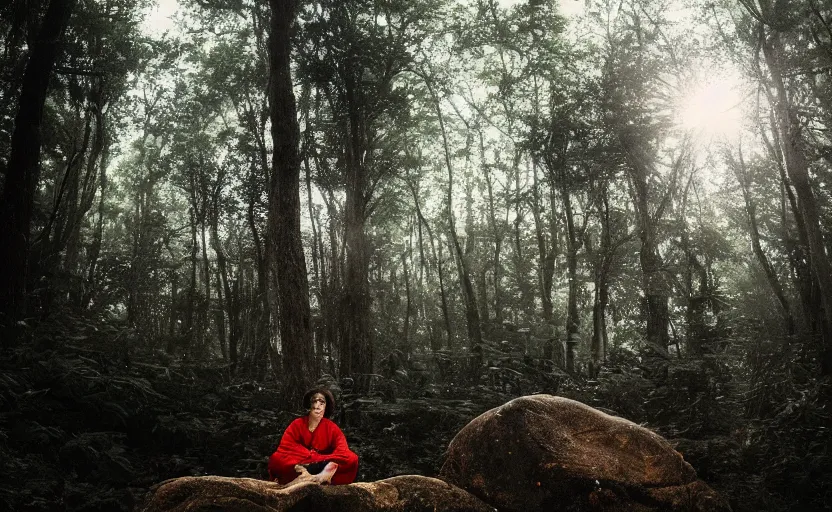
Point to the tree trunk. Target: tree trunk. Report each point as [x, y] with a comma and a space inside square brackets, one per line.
[357, 348]
[408, 309]
[205, 314]
[655, 302]
[546, 257]
[754, 233]
[603, 263]
[86, 191]
[332, 282]
[52, 236]
[472, 315]
[65, 209]
[482, 293]
[356, 335]
[174, 306]
[219, 316]
[229, 299]
[23, 169]
[95, 246]
[497, 235]
[652, 282]
[261, 336]
[800, 263]
[573, 320]
[285, 246]
[318, 273]
[798, 171]
[444, 298]
[189, 330]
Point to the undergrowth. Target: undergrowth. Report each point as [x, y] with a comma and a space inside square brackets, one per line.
[91, 419]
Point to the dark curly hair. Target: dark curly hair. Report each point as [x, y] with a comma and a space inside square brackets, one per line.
[330, 400]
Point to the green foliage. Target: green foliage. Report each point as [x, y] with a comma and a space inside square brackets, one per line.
[787, 437]
[699, 399]
[793, 447]
[621, 388]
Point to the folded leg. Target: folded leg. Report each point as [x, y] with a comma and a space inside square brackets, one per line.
[347, 470]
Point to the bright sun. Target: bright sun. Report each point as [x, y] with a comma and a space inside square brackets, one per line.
[714, 110]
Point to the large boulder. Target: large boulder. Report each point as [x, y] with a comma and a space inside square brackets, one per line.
[214, 493]
[543, 452]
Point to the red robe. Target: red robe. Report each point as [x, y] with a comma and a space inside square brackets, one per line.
[300, 446]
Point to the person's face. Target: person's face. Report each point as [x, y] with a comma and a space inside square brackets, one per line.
[317, 405]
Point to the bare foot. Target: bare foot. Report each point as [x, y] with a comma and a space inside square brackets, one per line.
[325, 476]
[303, 476]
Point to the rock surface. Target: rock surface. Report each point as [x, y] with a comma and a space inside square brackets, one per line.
[213, 493]
[543, 452]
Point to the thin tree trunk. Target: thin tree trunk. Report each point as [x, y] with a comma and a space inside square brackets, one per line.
[546, 257]
[762, 258]
[261, 337]
[472, 315]
[318, 272]
[95, 246]
[408, 308]
[64, 210]
[482, 293]
[89, 185]
[84, 188]
[219, 316]
[333, 282]
[556, 161]
[189, 328]
[696, 299]
[205, 314]
[497, 235]
[228, 299]
[496, 270]
[174, 306]
[573, 320]
[444, 299]
[520, 264]
[133, 271]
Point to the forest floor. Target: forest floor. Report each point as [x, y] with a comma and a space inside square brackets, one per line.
[85, 428]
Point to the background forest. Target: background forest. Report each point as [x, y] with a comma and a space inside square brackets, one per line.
[431, 205]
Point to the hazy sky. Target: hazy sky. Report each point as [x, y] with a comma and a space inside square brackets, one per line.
[158, 20]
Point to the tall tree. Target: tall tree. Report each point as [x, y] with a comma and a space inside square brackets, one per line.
[285, 245]
[21, 181]
[354, 52]
[741, 171]
[472, 314]
[636, 52]
[778, 40]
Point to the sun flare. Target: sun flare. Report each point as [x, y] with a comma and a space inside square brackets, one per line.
[714, 110]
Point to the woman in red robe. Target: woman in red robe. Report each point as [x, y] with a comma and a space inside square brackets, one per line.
[313, 441]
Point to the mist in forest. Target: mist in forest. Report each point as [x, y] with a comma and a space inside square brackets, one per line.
[430, 207]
